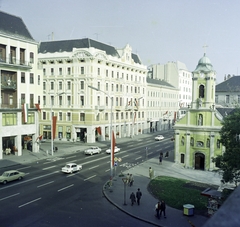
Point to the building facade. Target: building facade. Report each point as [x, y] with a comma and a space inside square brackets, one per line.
[90, 86]
[21, 86]
[162, 105]
[228, 92]
[176, 74]
[197, 137]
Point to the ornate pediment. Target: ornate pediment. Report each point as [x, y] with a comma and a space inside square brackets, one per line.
[81, 54]
[101, 56]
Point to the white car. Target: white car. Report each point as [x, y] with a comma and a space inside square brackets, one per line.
[71, 167]
[116, 149]
[93, 150]
[159, 137]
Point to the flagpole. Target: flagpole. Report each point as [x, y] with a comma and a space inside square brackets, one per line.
[111, 131]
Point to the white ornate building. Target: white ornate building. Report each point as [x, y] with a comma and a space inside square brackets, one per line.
[84, 114]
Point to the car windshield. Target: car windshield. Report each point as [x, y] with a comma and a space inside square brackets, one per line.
[67, 166]
[5, 174]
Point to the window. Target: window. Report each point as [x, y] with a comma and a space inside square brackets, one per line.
[39, 81]
[182, 158]
[82, 70]
[98, 71]
[216, 98]
[9, 119]
[99, 85]
[117, 87]
[60, 116]
[69, 100]
[52, 100]
[98, 117]
[192, 141]
[39, 99]
[106, 116]
[201, 91]
[23, 98]
[82, 116]
[44, 100]
[218, 144]
[69, 85]
[22, 56]
[22, 77]
[112, 74]
[106, 86]
[98, 100]
[31, 78]
[200, 119]
[182, 141]
[227, 98]
[106, 73]
[31, 57]
[52, 85]
[52, 71]
[44, 85]
[60, 85]
[82, 100]
[44, 116]
[31, 101]
[112, 87]
[60, 100]
[68, 116]
[200, 144]
[69, 71]
[208, 142]
[106, 101]
[60, 71]
[82, 85]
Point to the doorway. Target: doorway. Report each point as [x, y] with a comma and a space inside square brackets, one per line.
[199, 161]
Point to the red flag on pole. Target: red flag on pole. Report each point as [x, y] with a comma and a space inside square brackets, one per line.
[113, 147]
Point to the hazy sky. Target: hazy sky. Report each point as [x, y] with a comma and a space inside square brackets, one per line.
[159, 31]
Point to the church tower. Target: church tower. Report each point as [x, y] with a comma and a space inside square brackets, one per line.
[197, 138]
[203, 90]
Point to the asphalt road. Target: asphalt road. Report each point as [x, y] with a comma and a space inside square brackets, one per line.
[47, 197]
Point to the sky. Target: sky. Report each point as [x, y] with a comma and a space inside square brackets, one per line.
[159, 31]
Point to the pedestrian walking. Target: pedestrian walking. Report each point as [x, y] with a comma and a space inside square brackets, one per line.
[130, 183]
[138, 195]
[157, 209]
[133, 198]
[160, 158]
[128, 177]
[150, 173]
[163, 209]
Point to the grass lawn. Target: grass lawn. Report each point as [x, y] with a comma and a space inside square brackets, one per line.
[177, 192]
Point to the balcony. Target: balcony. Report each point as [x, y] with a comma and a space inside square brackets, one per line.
[100, 108]
[13, 105]
[9, 85]
[15, 63]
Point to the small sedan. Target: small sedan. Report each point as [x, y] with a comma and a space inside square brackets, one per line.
[159, 137]
[71, 167]
[11, 175]
[116, 150]
[93, 150]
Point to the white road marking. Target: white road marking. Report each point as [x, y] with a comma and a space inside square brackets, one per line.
[46, 163]
[138, 158]
[138, 152]
[107, 170]
[50, 167]
[9, 196]
[29, 202]
[44, 184]
[93, 167]
[90, 177]
[24, 167]
[150, 152]
[125, 156]
[65, 188]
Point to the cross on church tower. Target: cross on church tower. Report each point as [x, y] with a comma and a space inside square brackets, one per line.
[205, 49]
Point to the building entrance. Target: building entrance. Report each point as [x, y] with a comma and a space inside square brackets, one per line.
[199, 161]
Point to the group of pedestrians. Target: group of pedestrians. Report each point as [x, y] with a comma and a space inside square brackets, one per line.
[160, 208]
[138, 196]
[130, 179]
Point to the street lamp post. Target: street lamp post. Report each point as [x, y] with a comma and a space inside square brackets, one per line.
[111, 154]
[52, 120]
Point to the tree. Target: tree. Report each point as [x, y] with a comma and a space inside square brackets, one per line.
[229, 161]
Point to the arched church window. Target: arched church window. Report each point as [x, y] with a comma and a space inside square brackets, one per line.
[218, 143]
[192, 141]
[200, 144]
[200, 119]
[182, 158]
[182, 141]
[201, 91]
[208, 142]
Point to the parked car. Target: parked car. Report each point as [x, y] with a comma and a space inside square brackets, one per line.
[93, 150]
[11, 175]
[71, 167]
[159, 137]
[116, 149]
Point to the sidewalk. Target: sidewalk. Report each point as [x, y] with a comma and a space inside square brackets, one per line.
[146, 210]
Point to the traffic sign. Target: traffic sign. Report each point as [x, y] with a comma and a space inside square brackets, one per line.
[115, 163]
[115, 159]
[119, 159]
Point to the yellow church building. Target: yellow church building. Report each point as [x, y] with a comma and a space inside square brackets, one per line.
[197, 137]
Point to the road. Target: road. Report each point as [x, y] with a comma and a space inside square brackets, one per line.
[47, 197]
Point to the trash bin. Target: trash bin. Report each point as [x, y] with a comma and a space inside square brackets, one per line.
[188, 209]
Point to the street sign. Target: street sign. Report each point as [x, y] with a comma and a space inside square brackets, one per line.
[119, 159]
[115, 163]
[115, 159]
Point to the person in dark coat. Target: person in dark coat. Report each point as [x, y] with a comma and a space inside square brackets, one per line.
[138, 195]
[158, 208]
[133, 198]
[160, 158]
[163, 209]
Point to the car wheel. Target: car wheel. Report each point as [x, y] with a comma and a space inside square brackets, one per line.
[71, 171]
[20, 178]
[4, 182]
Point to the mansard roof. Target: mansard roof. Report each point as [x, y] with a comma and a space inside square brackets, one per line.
[68, 45]
[230, 85]
[159, 82]
[13, 26]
